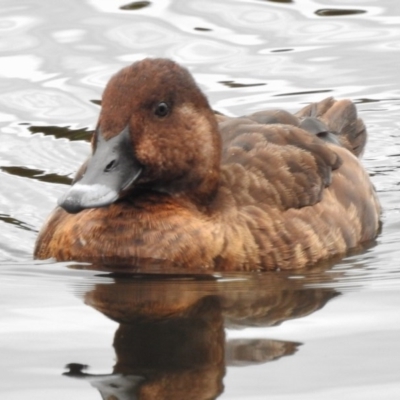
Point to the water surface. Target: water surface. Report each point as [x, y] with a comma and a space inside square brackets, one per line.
[309, 335]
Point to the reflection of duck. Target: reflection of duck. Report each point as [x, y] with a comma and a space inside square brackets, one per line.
[171, 342]
[169, 180]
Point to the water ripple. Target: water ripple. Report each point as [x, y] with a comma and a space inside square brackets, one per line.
[14, 33]
[46, 104]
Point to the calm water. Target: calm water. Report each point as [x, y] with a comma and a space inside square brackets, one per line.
[311, 335]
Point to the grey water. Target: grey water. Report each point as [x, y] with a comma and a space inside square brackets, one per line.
[70, 332]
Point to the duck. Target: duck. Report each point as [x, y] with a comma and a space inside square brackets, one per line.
[172, 181]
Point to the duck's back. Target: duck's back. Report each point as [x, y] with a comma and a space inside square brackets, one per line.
[300, 192]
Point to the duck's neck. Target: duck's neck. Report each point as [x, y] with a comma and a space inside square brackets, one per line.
[200, 183]
[208, 173]
[205, 193]
[201, 195]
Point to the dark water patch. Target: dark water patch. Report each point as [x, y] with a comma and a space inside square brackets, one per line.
[37, 174]
[366, 100]
[280, 1]
[136, 5]
[63, 132]
[202, 29]
[13, 221]
[337, 12]
[233, 84]
[301, 93]
[281, 50]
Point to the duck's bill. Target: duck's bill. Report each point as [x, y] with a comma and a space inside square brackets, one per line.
[111, 170]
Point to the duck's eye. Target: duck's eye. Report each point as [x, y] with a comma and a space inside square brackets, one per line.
[110, 166]
[162, 109]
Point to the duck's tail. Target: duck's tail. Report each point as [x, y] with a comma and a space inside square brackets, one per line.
[340, 118]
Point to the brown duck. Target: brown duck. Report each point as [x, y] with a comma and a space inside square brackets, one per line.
[169, 180]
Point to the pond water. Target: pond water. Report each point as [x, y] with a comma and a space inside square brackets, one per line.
[70, 332]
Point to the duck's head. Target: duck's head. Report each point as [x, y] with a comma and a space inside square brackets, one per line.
[155, 130]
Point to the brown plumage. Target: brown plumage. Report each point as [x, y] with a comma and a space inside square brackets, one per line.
[267, 191]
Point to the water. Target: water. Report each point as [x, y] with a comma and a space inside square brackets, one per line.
[309, 335]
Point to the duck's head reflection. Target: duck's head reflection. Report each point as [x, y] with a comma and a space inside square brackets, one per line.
[171, 341]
